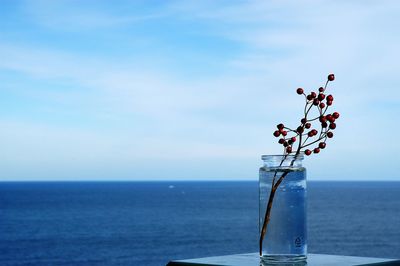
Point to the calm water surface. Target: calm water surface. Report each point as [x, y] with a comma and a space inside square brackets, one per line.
[149, 223]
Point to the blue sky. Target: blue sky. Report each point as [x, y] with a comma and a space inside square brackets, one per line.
[161, 90]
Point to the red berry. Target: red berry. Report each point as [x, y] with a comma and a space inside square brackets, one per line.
[324, 124]
[289, 149]
[310, 133]
[321, 96]
[336, 115]
[322, 105]
[329, 103]
[300, 91]
[280, 126]
[322, 145]
[331, 119]
[315, 102]
[315, 132]
[293, 139]
[316, 150]
[300, 130]
[284, 133]
[331, 77]
[285, 144]
[307, 152]
[281, 141]
[321, 89]
[322, 119]
[332, 126]
[329, 98]
[313, 95]
[303, 120]
[329, 134]
[309, 97]
[277, 133]
[307, 125]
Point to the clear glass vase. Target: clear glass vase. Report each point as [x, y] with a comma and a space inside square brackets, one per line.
[285, 238]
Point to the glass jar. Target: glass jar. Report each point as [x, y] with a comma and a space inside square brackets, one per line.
[282, 186]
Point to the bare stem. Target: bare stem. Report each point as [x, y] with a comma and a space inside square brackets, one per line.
[274, 187]
[315, 141]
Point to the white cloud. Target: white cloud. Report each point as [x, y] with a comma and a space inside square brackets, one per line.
[227, 116]
[78, 16]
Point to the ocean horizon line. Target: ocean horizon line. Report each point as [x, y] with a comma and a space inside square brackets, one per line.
[175, 180]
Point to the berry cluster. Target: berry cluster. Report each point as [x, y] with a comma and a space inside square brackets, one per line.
[304, 133]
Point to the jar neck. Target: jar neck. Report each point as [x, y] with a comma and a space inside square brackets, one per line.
[273, 161]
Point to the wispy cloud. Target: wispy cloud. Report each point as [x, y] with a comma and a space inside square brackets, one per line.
[88, 15]
[137, 105]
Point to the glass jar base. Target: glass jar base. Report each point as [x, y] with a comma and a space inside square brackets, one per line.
[287, 260]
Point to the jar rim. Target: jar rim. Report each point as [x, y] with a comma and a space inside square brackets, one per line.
[299, 156]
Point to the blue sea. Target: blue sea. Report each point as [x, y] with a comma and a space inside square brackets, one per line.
[150, 223]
